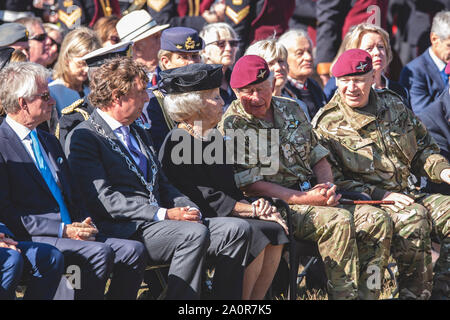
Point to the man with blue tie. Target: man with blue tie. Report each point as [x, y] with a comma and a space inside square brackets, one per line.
[425, 76]
[42, 266]
[40, 202]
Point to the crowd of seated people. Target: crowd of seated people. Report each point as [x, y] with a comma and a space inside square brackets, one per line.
[139, 143]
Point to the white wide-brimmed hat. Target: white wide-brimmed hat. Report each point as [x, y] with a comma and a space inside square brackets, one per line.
[138, 25]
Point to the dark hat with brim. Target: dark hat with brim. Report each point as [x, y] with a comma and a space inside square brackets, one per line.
[193, 77]
[181, 39]
[5, 56]
[98, 57]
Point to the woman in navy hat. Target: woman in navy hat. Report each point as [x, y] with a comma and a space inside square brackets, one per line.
[193, 100]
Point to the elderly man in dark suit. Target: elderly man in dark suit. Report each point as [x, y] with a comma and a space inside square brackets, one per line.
[425, 76]
[40, 202]
[119, 171]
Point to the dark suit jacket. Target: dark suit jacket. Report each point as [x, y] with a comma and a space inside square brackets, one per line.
[437, 120]
[27, 206]
[4, 229]
[113, 191]
[422, 79]
[317, 94]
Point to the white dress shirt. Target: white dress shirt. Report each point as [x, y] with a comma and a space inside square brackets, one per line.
[24, 135]
[438, 62]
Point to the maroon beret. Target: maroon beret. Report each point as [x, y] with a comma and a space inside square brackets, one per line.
[447, 69]
[352, 62]
[249, 69]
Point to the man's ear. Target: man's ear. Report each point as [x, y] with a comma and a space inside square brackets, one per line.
[115, 96]
[164, 62]
[434, 38]
[22, 103]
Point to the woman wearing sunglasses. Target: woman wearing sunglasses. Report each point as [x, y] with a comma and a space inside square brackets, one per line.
[106, 30]
[221, 44]
[71, 72]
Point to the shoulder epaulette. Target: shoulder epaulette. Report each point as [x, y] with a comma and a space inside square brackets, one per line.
[72, 107]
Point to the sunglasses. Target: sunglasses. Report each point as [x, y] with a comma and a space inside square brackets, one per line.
[223, 43]
[44, 96]
[58, 45]
[40, 37]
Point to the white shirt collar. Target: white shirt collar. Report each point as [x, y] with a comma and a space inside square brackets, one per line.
[438, 62]
[112, 123]
[21, 131]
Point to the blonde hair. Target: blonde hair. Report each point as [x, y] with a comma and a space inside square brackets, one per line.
[78, 42]
[18, 56]
[269, 49]
[360, 30]
[105, 26]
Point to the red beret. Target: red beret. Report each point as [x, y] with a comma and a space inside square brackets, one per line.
[447, 69]
[352, 62]
[249, 69]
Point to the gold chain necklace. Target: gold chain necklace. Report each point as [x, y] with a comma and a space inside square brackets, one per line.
[191, 130]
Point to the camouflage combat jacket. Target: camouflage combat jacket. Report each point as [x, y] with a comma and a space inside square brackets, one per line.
[296, 150]
[375, 154]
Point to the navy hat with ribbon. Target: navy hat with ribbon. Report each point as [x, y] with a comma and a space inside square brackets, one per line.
[5, 56]
[193, 77]
[181, 39]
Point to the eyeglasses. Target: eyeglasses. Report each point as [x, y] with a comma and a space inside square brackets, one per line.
[44, 96]
[58, 45]
[40, 37]
[222, 43]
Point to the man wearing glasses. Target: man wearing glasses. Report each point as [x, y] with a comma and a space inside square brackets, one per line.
[38, 40]
[40, 201]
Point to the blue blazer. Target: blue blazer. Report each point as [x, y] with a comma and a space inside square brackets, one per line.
[421, 77]
[437, 120]
[27, 206]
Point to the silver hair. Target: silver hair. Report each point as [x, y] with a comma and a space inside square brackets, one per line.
[181, 106]
[22, 80]
[268, 49]
[210, 32]
[288, 39]
[441, 25]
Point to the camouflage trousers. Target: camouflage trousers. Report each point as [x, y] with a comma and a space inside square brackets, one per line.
[438, 207]
[343, 238]
[411, 249]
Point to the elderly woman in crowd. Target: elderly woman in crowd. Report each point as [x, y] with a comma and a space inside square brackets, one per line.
[106, 30]
[221, 45]
[197, 107]
[71, 72]
[375, 41]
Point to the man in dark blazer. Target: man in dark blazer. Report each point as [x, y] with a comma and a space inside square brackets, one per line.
[40, 202]
[437, 120]
[119, 172]
[42, 266]
[425, 76]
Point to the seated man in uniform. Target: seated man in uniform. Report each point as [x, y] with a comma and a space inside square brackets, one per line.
[376, 144]
[350, 240]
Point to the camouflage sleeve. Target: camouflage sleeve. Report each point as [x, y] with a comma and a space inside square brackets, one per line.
[338, 169]
[427, 160]
[246, 170]
[318, 151]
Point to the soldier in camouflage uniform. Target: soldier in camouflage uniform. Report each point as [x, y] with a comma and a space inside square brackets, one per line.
[349, 239]
[375, 144]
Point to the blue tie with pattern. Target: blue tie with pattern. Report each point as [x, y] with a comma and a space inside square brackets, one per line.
[48, 177]
[136, 152]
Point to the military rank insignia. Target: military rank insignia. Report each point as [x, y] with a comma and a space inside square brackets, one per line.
[69, 14]
[238, 16]
[189, 44]
[157, 5]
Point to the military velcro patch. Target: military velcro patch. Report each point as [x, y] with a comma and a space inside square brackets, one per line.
[237, 17]
[157, 5]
